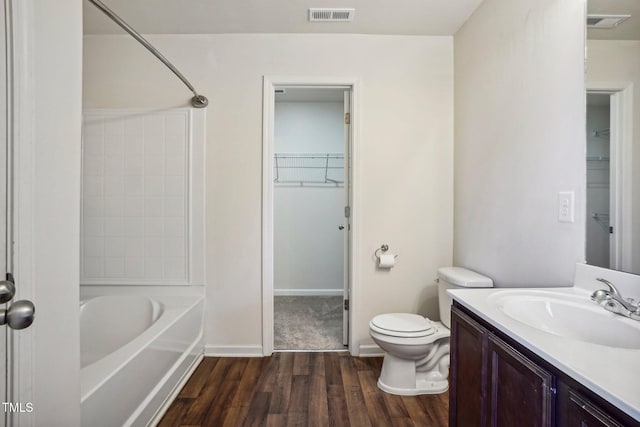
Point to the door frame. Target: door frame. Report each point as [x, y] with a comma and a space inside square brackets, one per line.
[268, 149]
[621, 144]
[5, 202]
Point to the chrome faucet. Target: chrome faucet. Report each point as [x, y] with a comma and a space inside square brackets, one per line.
[613, 301]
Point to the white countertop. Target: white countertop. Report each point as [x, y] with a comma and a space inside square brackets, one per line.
[612, 373]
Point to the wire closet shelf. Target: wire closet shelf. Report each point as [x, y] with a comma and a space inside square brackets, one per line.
[309, 168]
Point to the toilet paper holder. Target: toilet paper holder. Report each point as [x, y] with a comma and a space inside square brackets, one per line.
[382, 249]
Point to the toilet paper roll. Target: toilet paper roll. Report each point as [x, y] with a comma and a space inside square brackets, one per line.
[386, 260]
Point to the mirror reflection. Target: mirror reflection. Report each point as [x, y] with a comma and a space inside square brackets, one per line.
[613, 134]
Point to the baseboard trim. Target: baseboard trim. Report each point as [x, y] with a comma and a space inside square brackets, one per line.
[370, 350]
[307, 292]
[233, 350]
[365, 350]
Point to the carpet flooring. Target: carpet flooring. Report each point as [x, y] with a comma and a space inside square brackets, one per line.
[308, 323]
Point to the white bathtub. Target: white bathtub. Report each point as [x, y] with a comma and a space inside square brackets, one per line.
[135, 352]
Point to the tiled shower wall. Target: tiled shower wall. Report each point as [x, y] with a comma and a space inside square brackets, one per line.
[135, 205]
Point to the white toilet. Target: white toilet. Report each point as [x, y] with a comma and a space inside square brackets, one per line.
[416, 349]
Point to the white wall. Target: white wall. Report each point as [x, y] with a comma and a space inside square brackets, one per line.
[308, 247]
[309, 127]
[618, 61]
[519, 140]
[404, 163]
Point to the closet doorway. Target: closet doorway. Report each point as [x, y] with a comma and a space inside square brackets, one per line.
[608, 192]
[309, 165]
[599, 228]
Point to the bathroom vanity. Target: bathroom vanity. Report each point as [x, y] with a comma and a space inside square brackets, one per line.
[493, 378]
[542, 357]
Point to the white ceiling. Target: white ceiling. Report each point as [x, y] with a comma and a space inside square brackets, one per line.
[406, 17]
[628, 30]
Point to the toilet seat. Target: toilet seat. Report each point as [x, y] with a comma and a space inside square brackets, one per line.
[403, 325]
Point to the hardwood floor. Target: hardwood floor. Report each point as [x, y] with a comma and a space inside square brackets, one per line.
[298, 389]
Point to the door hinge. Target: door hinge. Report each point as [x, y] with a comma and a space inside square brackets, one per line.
[347, 211]
[611, 230]
[347, 118]
[346, 304]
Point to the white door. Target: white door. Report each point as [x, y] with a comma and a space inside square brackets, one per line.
[347, 216]
[13, 314]
[616, 182]
[42, 107]
[3, 206]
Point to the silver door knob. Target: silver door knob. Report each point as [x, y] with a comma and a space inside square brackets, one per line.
[7, 289]
[19, 316]
[341, 227]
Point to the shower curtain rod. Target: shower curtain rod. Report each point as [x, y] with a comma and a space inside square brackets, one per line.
[198, 101]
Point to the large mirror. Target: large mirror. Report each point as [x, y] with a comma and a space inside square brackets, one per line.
[613, 134]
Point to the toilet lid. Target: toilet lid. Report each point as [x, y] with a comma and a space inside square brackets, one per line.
[403, 325]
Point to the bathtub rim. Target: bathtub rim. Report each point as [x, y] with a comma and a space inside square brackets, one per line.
[93, 376]
[157, 308]
[164, 407]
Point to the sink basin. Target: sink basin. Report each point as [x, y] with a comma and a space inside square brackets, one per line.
[569, 316]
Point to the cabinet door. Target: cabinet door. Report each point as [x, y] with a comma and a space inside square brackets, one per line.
[520, 392]
[468, 371]
[584, 413]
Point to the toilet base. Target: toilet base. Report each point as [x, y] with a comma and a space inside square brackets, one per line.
[402, 377]
[422, 387]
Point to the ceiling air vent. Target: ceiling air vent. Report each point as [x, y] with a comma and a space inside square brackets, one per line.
[605, 21]
[321, 14]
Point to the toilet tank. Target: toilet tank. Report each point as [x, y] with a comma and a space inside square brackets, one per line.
[456, 277]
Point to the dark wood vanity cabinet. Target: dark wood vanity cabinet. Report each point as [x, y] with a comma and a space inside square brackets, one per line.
[494, 383]
[577, 410]
[520, 393]
[467, 371]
